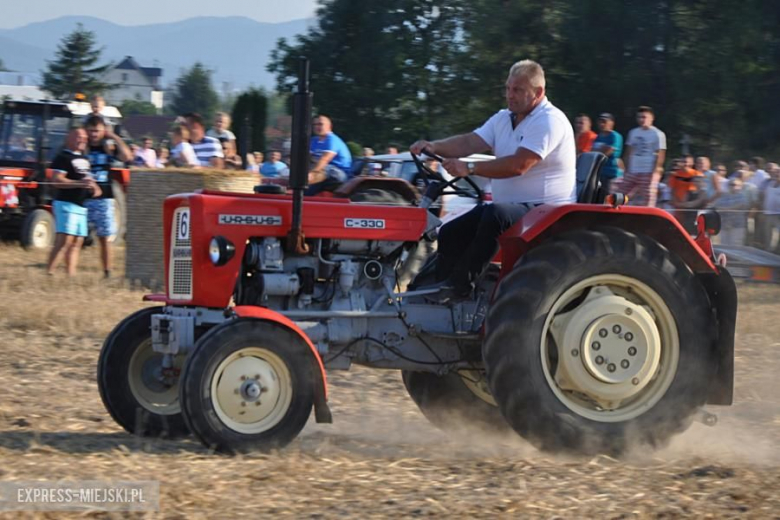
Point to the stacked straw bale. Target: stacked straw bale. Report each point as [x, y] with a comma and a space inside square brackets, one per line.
[144, 258]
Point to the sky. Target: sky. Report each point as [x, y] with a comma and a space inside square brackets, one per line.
[16, 13]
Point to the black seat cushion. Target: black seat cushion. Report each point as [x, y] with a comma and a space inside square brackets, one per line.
[588, 185]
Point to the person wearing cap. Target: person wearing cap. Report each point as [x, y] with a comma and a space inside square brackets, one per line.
[585, 136]
[610, 143]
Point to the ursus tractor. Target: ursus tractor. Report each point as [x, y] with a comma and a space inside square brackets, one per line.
[599, 326]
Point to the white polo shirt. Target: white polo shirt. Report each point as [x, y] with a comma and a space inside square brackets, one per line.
[546, 131]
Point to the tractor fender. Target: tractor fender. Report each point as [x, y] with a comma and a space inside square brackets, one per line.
[547, 221]
[321, 410]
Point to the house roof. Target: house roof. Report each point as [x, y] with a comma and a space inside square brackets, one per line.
[129, 63]
[157, 127]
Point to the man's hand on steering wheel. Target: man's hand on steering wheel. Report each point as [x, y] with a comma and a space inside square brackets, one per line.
[456, 167]
[418, 147]
[428, 175]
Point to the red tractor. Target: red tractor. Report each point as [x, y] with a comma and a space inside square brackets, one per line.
[602, 327]
[31, 135]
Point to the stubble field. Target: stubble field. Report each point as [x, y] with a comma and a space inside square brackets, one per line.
[380, 458]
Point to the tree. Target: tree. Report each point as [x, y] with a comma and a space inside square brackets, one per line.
[249, 113]
[194, 93]
[74, 69]
[132, 107]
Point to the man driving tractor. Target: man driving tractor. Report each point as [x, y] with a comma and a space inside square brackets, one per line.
[536, 161]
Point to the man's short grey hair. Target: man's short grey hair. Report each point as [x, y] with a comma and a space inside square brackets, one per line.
[529, 70]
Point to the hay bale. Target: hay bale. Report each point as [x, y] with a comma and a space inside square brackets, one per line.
[144, 257]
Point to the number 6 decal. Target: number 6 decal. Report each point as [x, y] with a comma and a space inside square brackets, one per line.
[184, 226]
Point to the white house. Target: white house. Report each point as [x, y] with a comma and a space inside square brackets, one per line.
[134, 82]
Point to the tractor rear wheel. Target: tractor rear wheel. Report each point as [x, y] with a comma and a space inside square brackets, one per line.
[141, 396]
[458, 402]
[248, 385]
[598, 341]
[38, 230]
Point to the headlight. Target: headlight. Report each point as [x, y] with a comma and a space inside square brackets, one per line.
[221, 250]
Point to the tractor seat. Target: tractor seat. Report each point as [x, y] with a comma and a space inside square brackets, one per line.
[588, 185]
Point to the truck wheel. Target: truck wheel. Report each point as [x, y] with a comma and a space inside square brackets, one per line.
[38, 230]
[458, 402]
[598, 341]
[120, 213]
[140, 396]
[248, 385]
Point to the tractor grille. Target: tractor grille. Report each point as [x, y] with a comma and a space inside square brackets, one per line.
[180, 267]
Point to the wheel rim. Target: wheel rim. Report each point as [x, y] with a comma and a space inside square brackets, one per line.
[476, 381]
[251, 390]
[154, 388]
[41, 234]
[610, 348]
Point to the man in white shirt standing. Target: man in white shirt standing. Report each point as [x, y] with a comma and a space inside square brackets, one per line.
[644, 156]
[535, 163]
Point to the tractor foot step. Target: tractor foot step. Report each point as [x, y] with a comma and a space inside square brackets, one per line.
[706, 418]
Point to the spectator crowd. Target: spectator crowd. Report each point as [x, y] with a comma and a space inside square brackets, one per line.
[746, 194]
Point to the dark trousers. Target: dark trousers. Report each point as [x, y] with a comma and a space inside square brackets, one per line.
[468, 243]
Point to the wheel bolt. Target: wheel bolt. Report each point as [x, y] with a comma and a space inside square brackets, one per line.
[629, 336]
[599, 360]
[632, 351]
[603, 333]
[629, 312]
[635, 381]
[624, 363]
[243, 378]
[257, 403]
[616, 329]
[596, 345]
[243, 403]
[611, 367]
[236, 391]
[575, 352]
[257, 376]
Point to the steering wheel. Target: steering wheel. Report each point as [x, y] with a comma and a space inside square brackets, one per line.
[427, 175]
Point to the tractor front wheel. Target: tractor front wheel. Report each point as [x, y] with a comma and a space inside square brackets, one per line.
[598, 341]
[38, 230]
[248, 385]
[456, 403]
[140, 394]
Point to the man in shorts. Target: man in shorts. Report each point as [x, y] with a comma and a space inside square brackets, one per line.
[74, 186]
[101, 209]
[645, 152]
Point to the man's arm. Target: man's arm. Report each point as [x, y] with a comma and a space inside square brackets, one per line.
[217, 162]
[510, 166]
[659, 160]
[456, 146]
[626, 157]
[123, 151]
[62, 182]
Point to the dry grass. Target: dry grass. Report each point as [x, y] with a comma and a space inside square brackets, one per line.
[380, 458]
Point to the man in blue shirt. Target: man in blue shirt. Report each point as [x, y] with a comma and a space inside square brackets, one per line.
[610, 143]
[101, 209]
[274, 167]
[330, 156]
